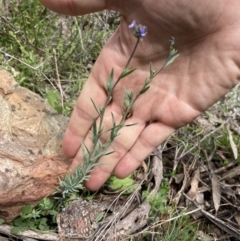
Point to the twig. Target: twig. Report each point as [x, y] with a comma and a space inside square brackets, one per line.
[34, 68]
[58, 78]
[6, 229]
[80, 33]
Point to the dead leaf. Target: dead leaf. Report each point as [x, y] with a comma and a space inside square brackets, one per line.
[194, 185]
[232, 143]
[216, 191]
[157, 170]
[185, 185]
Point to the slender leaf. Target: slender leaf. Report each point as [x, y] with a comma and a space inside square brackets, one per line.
[131, 124]
[110, 81]
[85, 155]
[97, 157]
[108, 153]
[112, 135]
[171, 59]
[142, 91]
[95, 107]
[99, 217]
[94, 133]
[83, 144]
[127, 72]
[113, 120]
[119, 126]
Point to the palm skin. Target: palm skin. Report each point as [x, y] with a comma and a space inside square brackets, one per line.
[207, 35]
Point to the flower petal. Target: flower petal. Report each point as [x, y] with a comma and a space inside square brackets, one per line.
[133, 24]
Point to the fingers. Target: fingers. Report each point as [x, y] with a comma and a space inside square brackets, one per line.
[120, 146]
[152, 136]
[74, 7]
[140, 140]
[82, 116]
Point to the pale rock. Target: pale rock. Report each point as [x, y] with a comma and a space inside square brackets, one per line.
[31, 158]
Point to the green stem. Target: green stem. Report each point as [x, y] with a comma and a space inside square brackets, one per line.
[110, 96]
[125, 114]
[127, 64]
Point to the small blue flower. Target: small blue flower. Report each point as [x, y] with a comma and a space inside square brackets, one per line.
[142, 31]
[139, 31]
[133, 24]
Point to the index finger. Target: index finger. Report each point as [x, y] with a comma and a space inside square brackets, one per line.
[82, 116]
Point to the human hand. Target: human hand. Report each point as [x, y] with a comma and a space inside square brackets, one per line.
[207, 37]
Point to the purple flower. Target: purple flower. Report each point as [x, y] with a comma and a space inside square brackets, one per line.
[133, 24]
[139, 31]
[142, 31]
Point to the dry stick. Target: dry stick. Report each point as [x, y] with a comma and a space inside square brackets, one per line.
[29, 66]
[50, 236]
[22, 62]
[80, 33]
[221, 169]
[58, 78]
[106, 28]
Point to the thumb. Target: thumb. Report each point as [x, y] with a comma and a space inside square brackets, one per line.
[75, 7]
